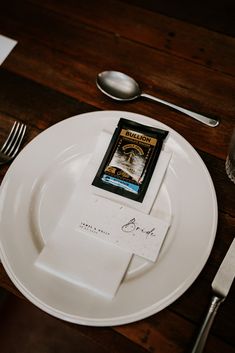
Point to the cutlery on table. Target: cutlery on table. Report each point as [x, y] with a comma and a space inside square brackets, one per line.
[12, 143]
[119, 86]
[220, 287]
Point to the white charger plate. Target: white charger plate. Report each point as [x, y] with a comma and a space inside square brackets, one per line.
[35, 191]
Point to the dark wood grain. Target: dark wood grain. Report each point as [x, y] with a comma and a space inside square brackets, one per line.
[69, 65]
[175, 54]
[212, 14]
[60, 336]
[151, 29]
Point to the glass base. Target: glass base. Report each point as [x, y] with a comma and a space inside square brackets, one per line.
[230, 169]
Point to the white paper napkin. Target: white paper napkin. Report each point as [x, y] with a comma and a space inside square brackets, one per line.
[6, 46]
[85, 260]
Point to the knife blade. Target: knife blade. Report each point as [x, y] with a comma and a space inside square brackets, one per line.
[220, 287]
[225, 274]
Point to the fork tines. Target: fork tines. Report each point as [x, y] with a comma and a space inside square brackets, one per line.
[14, 139]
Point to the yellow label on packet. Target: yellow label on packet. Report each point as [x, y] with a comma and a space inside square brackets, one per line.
[138, 137]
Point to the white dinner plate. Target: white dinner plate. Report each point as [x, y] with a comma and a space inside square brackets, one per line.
[36, 189]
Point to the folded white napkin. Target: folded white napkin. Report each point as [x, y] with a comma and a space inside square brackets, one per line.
[83, 259]
[6, 46]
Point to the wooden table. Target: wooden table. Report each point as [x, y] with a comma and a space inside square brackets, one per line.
[50, 76]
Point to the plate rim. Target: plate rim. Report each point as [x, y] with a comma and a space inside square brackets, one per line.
[144, 312]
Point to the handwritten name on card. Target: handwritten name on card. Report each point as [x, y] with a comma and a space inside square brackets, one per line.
[127, 228]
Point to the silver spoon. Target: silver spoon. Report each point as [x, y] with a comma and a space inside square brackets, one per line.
[121, 87]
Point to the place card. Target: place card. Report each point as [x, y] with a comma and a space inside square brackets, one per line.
[6, 46]
[125, 227]
[95, 240]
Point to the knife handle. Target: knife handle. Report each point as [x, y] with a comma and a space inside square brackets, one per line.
[205, 328]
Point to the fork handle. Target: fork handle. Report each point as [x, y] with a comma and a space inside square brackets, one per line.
[3, 158]
[205, 328]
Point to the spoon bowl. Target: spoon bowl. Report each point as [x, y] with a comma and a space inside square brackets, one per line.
[122, 87]
[118, 86]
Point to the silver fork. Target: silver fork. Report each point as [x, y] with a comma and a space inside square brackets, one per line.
[12, 143]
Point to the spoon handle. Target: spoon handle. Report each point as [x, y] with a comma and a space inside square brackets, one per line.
[203, 119]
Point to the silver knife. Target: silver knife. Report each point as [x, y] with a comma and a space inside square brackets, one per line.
[220, 287]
